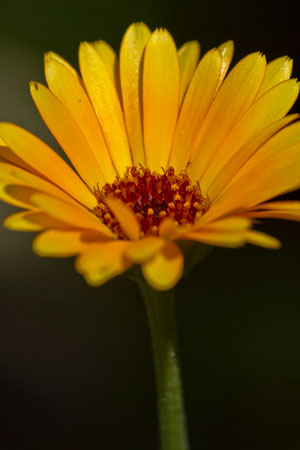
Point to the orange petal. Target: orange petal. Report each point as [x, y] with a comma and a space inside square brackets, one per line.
[39, 156]
[16, 175]
[131, 57]
[69, 90]
[188, 56]
[106, 103]
[286, 137]
[226, 49]
[164, 270]
[275, 176]
[100, 262]
[160, 98]
[61, 60]
[218, 238]
[144, 249]
[196, 103]
[67, 134]
[72, 215]
[110, 59]
[59, 243]
[268, 108]
[125, 216]
[278, 70]
[262, 240]
[235, 96]
[31, 221]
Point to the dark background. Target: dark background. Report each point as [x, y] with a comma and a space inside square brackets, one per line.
[75, 362]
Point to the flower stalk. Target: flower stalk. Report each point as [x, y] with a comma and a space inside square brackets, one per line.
[160, 311]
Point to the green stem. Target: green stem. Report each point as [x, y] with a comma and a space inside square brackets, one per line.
[160, 310]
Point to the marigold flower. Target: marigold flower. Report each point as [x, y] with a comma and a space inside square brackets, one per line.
[166, 149]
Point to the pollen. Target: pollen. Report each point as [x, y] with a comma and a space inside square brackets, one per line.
[153, 197]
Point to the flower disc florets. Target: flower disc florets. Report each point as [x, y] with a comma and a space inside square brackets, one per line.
[152, 197]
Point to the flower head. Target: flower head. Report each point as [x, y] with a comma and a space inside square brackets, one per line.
[166, 148]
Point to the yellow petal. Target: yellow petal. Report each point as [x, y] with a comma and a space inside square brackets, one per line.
[226, 49]
[67, 134]
[16, 175]
[196, 103]
[144, 249]
[131, 57]
[229, 225]
[188, 56]
[100, 262]
[286, 215]
[43, 159]
[160, 98]
[8, 156]
[19, 196]
[164, 270]
[235, 165]
[59, 243]
[31, 221]
[276, 71]
[106, 103]
[168, 229]
[235, 96]
[288, 210]
[275, 176]
[268, 108]
[285, 205]
[59, 59]
[284, 138]
[69, 90]
[218, 238]
[110, 59]
[125, 216]
[262, 240]
[70, 214]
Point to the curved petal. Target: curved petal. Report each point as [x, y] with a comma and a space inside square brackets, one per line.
[218, 238]
[270, 107]
[188, 56]
[110, 59]
[31, 221]
[278, 70]
[164, 270]
[60, 243]
[235, 96]
[61, 60]
[78, 217]
[288, 210]
[275, 176]
[131, 58]
[67, 134]
[8, 156]
[262, 240]
[226, 49]
[235, 164]
[196, 103]
[19, 176]
[144, 249]
[100, 262]
[160, 98]
[106, 103]
[16, 195]
[125, 216]
[43, 159]
[69, 90]
[284, 138]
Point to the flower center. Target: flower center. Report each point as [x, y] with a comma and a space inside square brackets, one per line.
[152, 197]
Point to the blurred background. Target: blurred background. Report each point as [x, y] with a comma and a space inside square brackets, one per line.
[75, 362]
